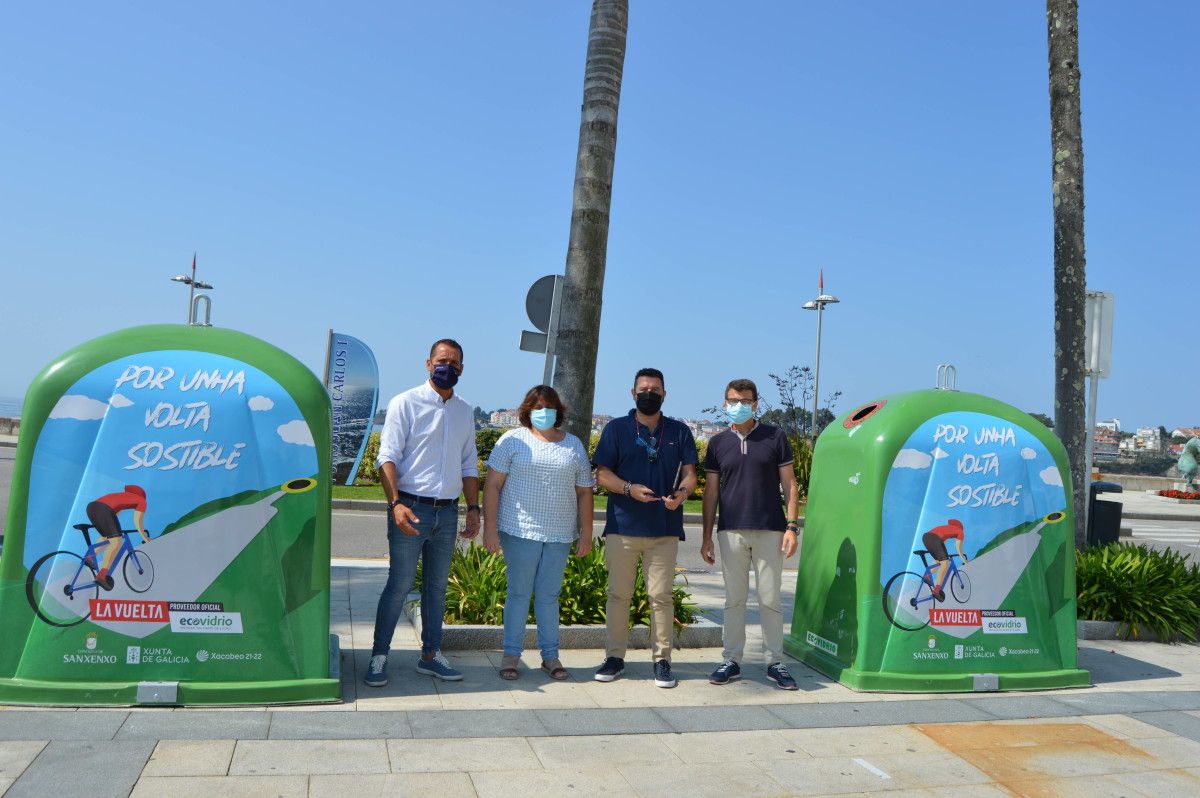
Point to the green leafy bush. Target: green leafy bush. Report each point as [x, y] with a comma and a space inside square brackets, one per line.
[1142, 588]
[475, 591]
[801, 463]
[367, 473]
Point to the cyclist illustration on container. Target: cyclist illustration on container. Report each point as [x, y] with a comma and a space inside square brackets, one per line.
[61, 585]
[906, 591]
[935, 543]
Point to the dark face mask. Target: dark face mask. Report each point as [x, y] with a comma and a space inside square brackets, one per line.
[648, 403]
[444, 376]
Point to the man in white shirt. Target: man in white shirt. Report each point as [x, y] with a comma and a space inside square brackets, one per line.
[427, 457]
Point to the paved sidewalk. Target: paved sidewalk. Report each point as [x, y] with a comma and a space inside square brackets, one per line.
[1140, 505]
[1136, 732]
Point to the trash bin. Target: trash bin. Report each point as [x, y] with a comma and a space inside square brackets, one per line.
[1104, 517]
[938, 550]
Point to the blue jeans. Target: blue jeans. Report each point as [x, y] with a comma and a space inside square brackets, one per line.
[533, 569]
[434, 544]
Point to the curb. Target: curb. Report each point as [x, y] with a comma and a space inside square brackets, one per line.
[703, 633]
[1112, 630]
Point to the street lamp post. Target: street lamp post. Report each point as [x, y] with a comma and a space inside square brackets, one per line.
[818, 305]
[192, 283]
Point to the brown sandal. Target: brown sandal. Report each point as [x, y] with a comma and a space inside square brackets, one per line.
[508, 668]
[555, 670]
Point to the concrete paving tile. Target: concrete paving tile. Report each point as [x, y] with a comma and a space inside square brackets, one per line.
[347, 726]
[1170, 752]
[871, 741]
[1124, 726]
[59, 725]
[15, 756]
[460, 755]
[552, 695]
[1176, 699]
[1022, 707]
[221, 787]
[476, 723]
[719, 718]
[716, 780]
[1088, 787]
[732, 746]
[60, 768]
[305, 757]
[392, 785]
[190, 758]
[1158, 783]
[602, 751]
[1183, 724]
[1110, 703]
[598, 782]
[960, 791]
[5, 783]
[878, 713]
[828, 775]
[601, 721]
[196, 726]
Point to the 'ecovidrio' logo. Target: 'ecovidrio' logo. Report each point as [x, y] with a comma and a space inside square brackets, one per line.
[207, 622]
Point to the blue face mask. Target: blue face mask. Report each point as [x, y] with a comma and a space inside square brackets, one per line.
[444, 376]
[739, 412]
[543, 418]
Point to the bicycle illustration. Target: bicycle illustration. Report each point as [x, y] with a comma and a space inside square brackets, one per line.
[906, 591]
[61, 584]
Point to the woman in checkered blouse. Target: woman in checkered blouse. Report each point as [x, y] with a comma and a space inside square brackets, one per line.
[537, 501]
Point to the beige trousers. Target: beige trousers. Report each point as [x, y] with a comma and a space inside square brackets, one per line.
[621, 553]
[741, 550]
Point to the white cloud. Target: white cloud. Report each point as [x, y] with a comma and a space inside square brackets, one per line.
[296, 432]
[1051, 476]
[1028, 454]
[80, 408]
[912, 458]
[118, 400]
[260, 403]
[939, 453]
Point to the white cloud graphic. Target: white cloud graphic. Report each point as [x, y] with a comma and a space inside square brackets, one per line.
[119, 401]
[260, 403]
[939, 453]
[1051, 476]
[1028, 454]
[80, 408]
[911, 458]
[296, 432]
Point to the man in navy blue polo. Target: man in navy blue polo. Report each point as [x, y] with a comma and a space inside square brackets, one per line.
[647, 463]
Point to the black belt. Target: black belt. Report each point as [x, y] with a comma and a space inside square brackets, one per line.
[424, 500]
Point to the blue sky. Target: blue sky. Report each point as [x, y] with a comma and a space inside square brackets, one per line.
[402, 172]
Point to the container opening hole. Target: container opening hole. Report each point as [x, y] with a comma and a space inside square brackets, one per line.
[863, 413]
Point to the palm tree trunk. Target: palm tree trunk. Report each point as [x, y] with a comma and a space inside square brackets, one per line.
[1070, 283]
[583, 289]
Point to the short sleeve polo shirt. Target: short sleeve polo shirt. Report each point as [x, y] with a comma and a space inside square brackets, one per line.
[748, 470]
[619, 451]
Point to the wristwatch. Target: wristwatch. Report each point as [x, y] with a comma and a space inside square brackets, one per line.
[392, 504]
[471, 507]
[625, 489]
[793, 527]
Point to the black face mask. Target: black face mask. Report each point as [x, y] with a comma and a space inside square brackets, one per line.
[648, 403]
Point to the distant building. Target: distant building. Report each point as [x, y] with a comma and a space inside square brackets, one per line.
[1113, 424]
[1186, 432]
[1146, 440]
[1105, 444]
[504, 419]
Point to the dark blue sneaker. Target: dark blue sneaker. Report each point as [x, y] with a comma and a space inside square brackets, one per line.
[725, 673]
[662, 674]
[611, 668]
[778, 673]
[376, 671]
[439, 668]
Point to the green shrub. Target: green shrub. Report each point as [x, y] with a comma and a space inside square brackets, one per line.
[368, 474]
[1142, 588]
[475, 591]
[801, 464]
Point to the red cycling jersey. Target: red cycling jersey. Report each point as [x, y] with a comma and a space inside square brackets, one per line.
[132, 498]
[953, 529]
